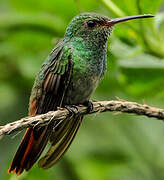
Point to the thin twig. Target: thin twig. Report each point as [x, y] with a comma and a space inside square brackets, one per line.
[98, 106]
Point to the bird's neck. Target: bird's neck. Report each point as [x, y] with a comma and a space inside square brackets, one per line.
[94, 48]
[88, 56]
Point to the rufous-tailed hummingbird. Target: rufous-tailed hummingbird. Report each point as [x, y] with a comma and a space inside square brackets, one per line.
[69, 76]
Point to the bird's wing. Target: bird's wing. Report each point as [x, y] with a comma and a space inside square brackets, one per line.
[51, 83]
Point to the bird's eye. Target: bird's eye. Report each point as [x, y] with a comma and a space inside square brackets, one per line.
[91, 24]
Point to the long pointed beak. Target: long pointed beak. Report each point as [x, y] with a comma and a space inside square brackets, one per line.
[127, 18]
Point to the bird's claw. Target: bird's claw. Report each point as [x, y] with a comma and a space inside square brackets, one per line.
[71, 109]
[89, 104]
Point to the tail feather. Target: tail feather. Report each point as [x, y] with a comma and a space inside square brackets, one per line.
[35, 140]
[15, 166]
[60, 146]
[31, 147]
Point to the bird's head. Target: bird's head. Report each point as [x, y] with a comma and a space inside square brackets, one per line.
[93, 26]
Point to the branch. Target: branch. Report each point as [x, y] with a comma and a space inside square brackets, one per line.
[98, 106]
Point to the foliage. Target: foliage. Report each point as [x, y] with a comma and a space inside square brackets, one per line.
[106, 147]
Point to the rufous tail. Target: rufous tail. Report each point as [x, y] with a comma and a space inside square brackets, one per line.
[31, 147]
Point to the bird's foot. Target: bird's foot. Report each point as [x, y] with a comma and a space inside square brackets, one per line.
[89, 104]
[71, 109]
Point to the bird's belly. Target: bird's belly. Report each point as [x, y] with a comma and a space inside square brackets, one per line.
[80, 89]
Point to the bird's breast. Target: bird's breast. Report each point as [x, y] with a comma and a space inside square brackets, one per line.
[85, 79]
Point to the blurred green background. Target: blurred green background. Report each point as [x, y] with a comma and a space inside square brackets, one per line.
[109, 146]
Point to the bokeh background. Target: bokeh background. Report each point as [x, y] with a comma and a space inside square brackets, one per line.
[108, 146]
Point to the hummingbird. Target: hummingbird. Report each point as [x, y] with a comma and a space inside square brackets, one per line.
[69, 76]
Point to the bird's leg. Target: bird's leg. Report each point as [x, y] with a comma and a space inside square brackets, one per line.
[71, 109]
[89, 104]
